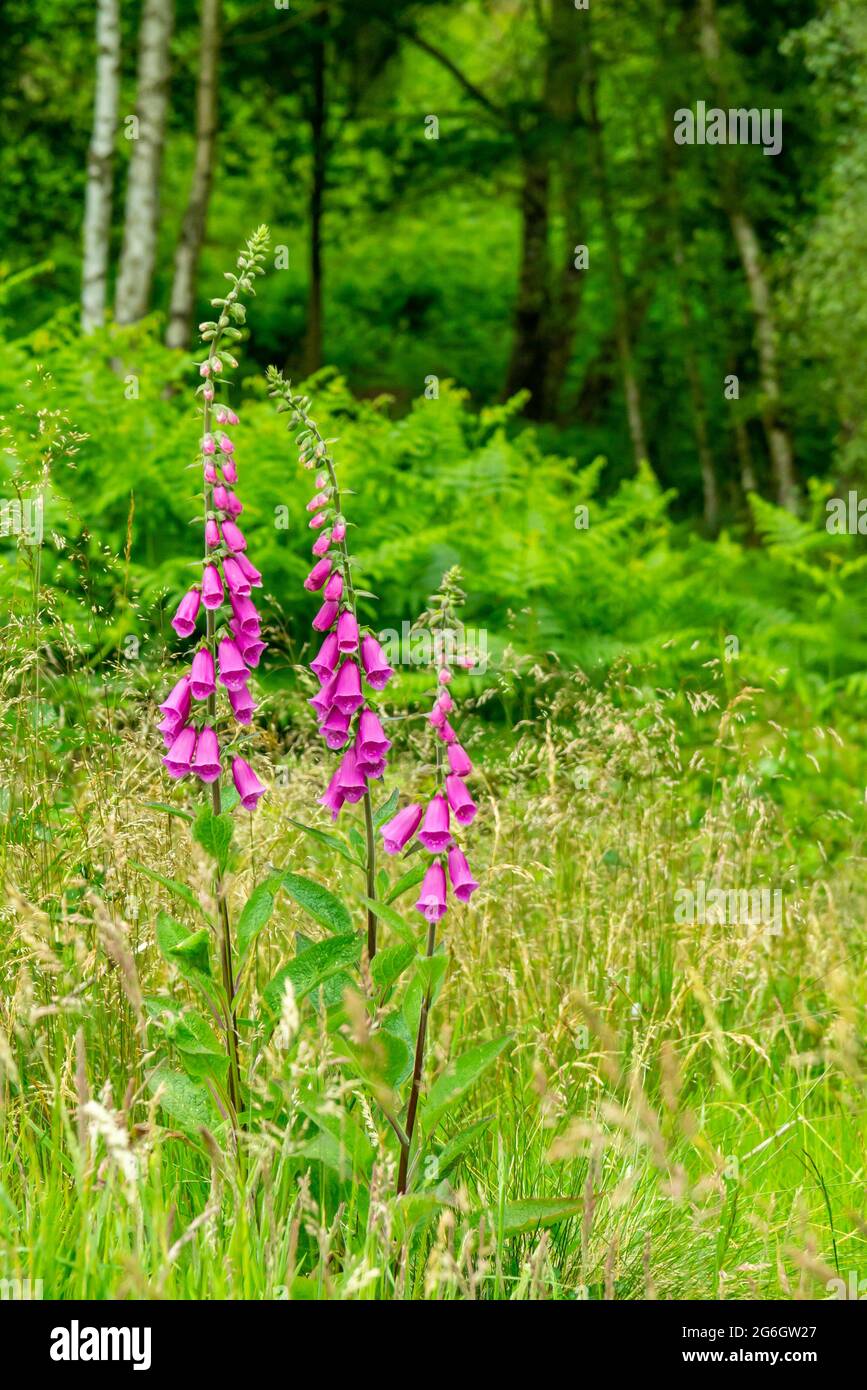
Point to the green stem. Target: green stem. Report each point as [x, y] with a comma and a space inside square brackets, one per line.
[415, 1089]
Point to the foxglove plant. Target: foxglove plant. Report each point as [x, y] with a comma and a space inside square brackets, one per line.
[350, 662]
[199, 737]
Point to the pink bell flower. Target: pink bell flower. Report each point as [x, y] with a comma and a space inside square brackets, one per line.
[350, 781]
[208, 445]
[210, 473]
[334, 588]
[338, 532]
[325, 617]
[184, 621]
[376, 668]
[458, 761]
[221, 498]
[249, 571]
[244, 610]
[230, 472]
[317, 576]
[321, 544]
[233, 505]
[212, 587]
[347, 632]
[447, 733]
[432, 894]
[371, 744]
[347, 691]
[332, 798]
[323, 664]
[251, 648]
[226, 444]
[238, 583]
[234, 536]
[445, 702]
[317, 502]
[180, 756]
[444, 676]
[247, 784]
[335, 727]
[202, 684]
[463, 883]
[170, 728]
[242, 703]
[212, 533]
[206, 763]
[323, 700]
[177, 703]
[317, 521]
[233, 672]
[460, 800]
[435, 834]
[397, 832]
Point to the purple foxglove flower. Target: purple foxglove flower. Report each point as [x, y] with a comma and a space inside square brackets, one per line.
[371, 745]
[206, 763]
[202, 675]
[325, 617]
[231, 417]
[221, 498]
[444, 676]
[234, 505]
[233, 672]
[347, 691]
[321, 480]
[447, 733]
[181, 753]
[435, 834]
[244, 610]
[335, 727]
[177, 703]
[323, 700]
[460, 800]
[334, 588]
[212, 533]
[372, 770]
[237, 581]
[234, 536]
[247, 784]
[463, 883]
[249, 571]
[400, 829]
[317, 576]
[318, 520]
[242, 704]
[170, 728]
[230, 472]
[184, 621]
[208, 393]
[208, 445]
[212, 587]
[437, 717]
[350, 781]
[432, 894]
[376, 668]
[458, 760]
[210, 473]
[315, 503]
[347, 632]
[251, 649]
[445, 702]
[321, 544]
[226, 444]
[322, 665]
[333, 797]
[338, 531]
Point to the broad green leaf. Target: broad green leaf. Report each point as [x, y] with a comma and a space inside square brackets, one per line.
[405, 930]
[214, 834]
[458, 1077]
[394, 1025]
[311, 967]
[453, 1151]
[383, 1061]
[257, 912]
[187, 1102]
[330, 841]
[409, 880]
[534, 1214]
[431, 971]
[170, 935]
[202, 1053]
[388, 964]
[340, 1143]
[169, 810]
[358, 844]
[180, 890]
[322, 905]
[386, 810]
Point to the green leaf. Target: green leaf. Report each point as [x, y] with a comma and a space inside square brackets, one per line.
[431, 971]
[322, 905]
[330, 841]
[453, 1151]
[311, 967]
[194, 950]
[534, 1214]
[171, 934]
[386, 810]
[180, 890]
[387, 965]
[187, 1102]
[408, 880]
[405, 930]
[214, 834]
[458, 1077]
[169, 810]
[385, 1060]
[340, 1141]
[257, 911]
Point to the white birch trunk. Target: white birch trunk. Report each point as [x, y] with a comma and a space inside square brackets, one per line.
[100, 159]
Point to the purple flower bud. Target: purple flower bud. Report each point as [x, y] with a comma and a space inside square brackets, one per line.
[325, 617]
[463, 882]
[435, 834]
[321, 544]
[249, 571]
[323, 664]
[206, 763]
[334, 588]
[233, 672]
[444, 676]
[202, 675]
[458, 760]
[460, 800]
[247, 784]
[212, 533]
[400, 829]
[447, 733]
[208, 445]
[210, 473]
[376, 668]
[221, 498]
[234, 536]
[238, 583]
[181, 753]
[320, 500]
[318, 575]
[234, 505]
[184, 621]
[350, 781]
[230, 472]
[226, 444]
[242, 704]
[338, 531]
[445, 702]
[212, 587]
[432, 894]
[347, 632]
[347, 691]
[318, 520]
[333, 797]
[177, 704]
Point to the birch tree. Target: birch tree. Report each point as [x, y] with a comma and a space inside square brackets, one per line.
[100, 161]
[135, 275]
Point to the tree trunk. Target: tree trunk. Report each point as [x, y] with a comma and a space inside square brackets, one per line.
[183, 299]
[135, 275]
[528, 363]
[749, 250]
[631, 390]
[100, 159]
[318, 115]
